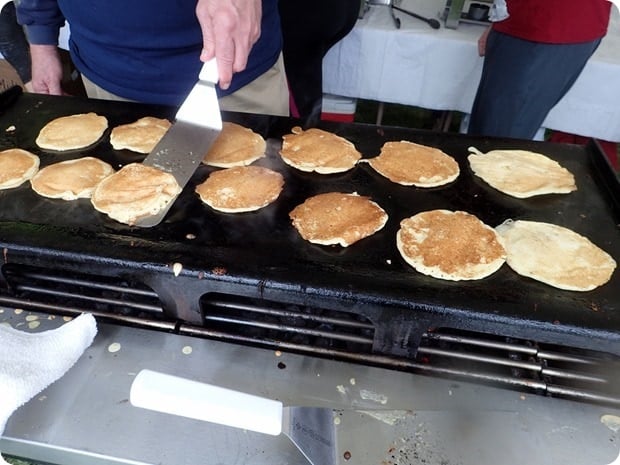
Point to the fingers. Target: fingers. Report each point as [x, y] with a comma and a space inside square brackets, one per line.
[229, 29]
[482, 42]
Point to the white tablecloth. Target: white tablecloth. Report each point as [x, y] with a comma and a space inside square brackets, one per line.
[440, 69]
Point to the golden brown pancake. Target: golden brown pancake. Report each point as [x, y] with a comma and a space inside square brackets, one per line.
[71, 179]
[337, 218]
[134, 192]
[555, 255]
[319, 151]
[16, 167]
[521, 173]
[241, 189]
[235, 146]
[413, 164]
[450, 245]
[140, 136]
[72, 132]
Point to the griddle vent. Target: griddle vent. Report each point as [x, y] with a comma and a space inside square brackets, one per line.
[546, 369]
[519, 364]
[265, 321]
[72, 292]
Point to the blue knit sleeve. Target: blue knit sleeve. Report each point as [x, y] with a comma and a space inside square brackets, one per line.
[41, 19]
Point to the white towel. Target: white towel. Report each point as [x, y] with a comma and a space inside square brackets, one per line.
[29, 362]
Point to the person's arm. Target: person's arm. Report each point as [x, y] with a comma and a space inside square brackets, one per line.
[42, 21]
[482, 41]
[229, 28]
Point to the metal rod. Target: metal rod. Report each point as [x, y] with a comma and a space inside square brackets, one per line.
[507, 346]
[293, 329]
[291, 314]
[480, 358]
[430, 21]
[108, 301]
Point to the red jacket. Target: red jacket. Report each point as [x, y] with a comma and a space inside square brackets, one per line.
[556, 21]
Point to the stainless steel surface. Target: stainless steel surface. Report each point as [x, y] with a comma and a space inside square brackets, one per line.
[85, 417]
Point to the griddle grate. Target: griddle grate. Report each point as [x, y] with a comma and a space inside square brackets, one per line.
[73, 293]
[518, 364]
[503, 361]
[274, 321]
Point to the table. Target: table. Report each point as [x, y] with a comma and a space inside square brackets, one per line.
[440, 69]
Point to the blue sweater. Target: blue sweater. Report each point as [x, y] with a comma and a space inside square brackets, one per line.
[143, 50]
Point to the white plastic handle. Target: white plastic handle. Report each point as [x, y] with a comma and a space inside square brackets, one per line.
[192, 399]
[208, 72]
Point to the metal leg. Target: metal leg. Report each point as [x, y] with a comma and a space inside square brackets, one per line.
[380, 109]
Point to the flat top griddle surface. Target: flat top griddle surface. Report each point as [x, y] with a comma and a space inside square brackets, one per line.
[265, 246]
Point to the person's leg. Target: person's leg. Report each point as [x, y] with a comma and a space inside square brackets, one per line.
[521, 81]
[308, 32]
[94, 91]
[266, 95]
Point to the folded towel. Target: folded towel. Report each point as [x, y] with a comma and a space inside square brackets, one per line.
[29, 362]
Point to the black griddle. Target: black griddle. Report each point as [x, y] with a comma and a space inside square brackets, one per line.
[260, 255]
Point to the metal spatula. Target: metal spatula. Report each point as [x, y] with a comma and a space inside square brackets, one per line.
[310, 428]
[197, 124]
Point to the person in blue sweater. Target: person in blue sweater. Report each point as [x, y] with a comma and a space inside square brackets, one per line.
[151, 51]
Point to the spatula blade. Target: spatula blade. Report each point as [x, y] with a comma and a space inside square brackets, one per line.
[183, 147]
[312, 430]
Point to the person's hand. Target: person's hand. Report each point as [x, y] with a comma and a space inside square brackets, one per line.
[482, 42]
[229, 30]
[46, 69]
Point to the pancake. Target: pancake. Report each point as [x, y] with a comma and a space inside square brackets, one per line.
[241, 189]
[555, 255]
[16, 167]
[413, 164]
[235, 146]
[72, 132]
[521, 173]
[319, 151]
[134, 192]
[71, 179]
[337, 218]
[452, 245]
[140, 136]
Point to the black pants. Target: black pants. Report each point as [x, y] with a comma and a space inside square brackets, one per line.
[309, 30]
[521, 82]
[13, 44]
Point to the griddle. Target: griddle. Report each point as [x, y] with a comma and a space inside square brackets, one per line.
[259, 255]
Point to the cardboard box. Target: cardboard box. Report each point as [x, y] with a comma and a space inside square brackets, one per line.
[8, 76]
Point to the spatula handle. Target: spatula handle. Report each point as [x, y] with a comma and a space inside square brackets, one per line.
[208, 72]
[192, 399]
